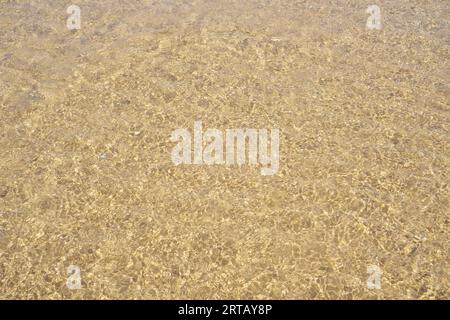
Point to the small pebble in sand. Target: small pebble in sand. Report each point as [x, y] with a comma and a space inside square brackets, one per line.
[3, 191]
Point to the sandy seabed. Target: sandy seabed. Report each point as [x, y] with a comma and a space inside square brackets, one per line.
[86, 176]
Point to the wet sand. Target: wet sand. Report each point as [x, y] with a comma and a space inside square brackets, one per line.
[86, 177]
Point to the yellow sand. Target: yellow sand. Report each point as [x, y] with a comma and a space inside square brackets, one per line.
[86, 177]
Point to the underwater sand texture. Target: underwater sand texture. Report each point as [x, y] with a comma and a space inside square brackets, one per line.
[86, 177]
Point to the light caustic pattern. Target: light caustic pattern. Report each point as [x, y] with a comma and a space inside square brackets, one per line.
[97, 200]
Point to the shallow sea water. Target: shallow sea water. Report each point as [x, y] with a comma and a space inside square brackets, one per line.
[86, 177]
